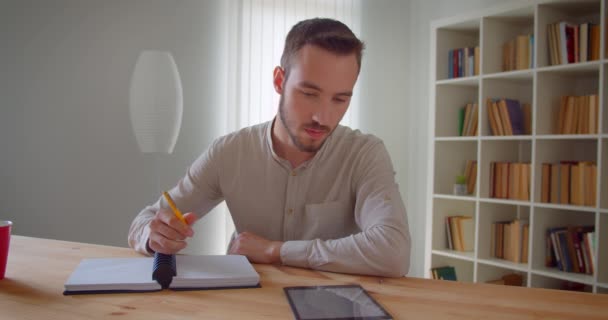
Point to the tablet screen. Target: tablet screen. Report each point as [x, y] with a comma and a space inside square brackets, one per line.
[333, 302]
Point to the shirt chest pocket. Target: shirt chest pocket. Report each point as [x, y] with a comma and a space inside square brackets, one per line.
[330, 220]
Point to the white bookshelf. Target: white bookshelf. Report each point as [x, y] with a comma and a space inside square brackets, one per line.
[540, 86]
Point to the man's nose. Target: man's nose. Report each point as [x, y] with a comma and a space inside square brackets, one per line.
[321, 113]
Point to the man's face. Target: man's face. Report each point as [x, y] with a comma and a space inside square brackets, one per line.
[316, 95]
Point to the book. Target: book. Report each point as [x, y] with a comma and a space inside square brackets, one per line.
[471, 175]
[497, 116]
[444, 273]
[508, 280]
[564, 193]
[545, 189]
[552, 233]
[492, 118]
[527, 111]
[522, 54]
[583, 42]
[594, 42]
[504, 117]
[555, 188]
[448, 233]
[467, 119]
[455, 233]
[461, 117]
[115, 275]
[467, 233]
[516, 116]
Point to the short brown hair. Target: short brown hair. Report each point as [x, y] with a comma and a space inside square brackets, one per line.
[329, 34]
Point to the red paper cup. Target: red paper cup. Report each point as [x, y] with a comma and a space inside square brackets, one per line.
[5, 239]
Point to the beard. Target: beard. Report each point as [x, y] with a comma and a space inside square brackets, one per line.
[292, 129]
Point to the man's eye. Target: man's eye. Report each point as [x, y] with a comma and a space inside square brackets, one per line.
[309, 94]
[339, 100]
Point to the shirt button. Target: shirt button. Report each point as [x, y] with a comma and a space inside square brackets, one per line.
[293, 173]
[290, 211]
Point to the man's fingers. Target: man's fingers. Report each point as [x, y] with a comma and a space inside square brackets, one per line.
[169, 218]
[165, 230]
[161, 244]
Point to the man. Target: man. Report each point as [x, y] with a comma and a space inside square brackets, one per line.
[302, 190]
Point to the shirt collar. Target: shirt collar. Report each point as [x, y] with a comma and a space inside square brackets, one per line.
[307, 164]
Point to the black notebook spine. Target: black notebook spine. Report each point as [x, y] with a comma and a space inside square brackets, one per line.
[164, 269]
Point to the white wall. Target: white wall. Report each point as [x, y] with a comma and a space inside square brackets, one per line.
[394, 88]
[70, 167]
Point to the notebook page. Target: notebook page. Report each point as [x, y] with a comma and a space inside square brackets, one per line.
[214, 271]
[112, 274]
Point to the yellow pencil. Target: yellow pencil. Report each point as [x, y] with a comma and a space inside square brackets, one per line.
[176, 211]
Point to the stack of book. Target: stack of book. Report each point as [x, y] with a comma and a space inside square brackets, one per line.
[572, 43]
[578, 115]
[510, 180]
[463, 62]
[569, 182]
[460, 233]
[467, 120]
[444, 273]
[571, 249]
[509, 240]
[518, 53]
[509, 117]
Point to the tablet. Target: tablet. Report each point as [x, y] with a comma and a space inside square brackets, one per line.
[333, 302]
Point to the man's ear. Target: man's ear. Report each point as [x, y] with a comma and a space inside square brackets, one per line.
[278, 76]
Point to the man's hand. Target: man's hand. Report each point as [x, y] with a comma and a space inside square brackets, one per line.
[167, 233]
[256, 248]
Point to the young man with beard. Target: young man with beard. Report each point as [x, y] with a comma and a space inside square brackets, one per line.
[302, 190]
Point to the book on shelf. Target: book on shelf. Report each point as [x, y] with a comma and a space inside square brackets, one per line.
[509, 117]
[518, 53]
[444, 273]
[564, 182]
[545, 183]
[510, 240]
[572, 42]
[463, 62]
[572, 286]
[578, 115]
[569, 182]
[510, 180]
[461, 117]
[511, 279]
[470, 173]
[467, 120]
[570, 249]
[505, 118]
[460, 233]
[176, 272]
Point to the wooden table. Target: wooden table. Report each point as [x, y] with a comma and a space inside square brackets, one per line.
[38, 268]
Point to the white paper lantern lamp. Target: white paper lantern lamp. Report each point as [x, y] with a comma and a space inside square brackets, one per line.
[156, 102]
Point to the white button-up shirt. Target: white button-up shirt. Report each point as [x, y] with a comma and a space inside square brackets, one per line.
[340, 211]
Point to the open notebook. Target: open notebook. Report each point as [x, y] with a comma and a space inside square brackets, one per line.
[111, 275]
